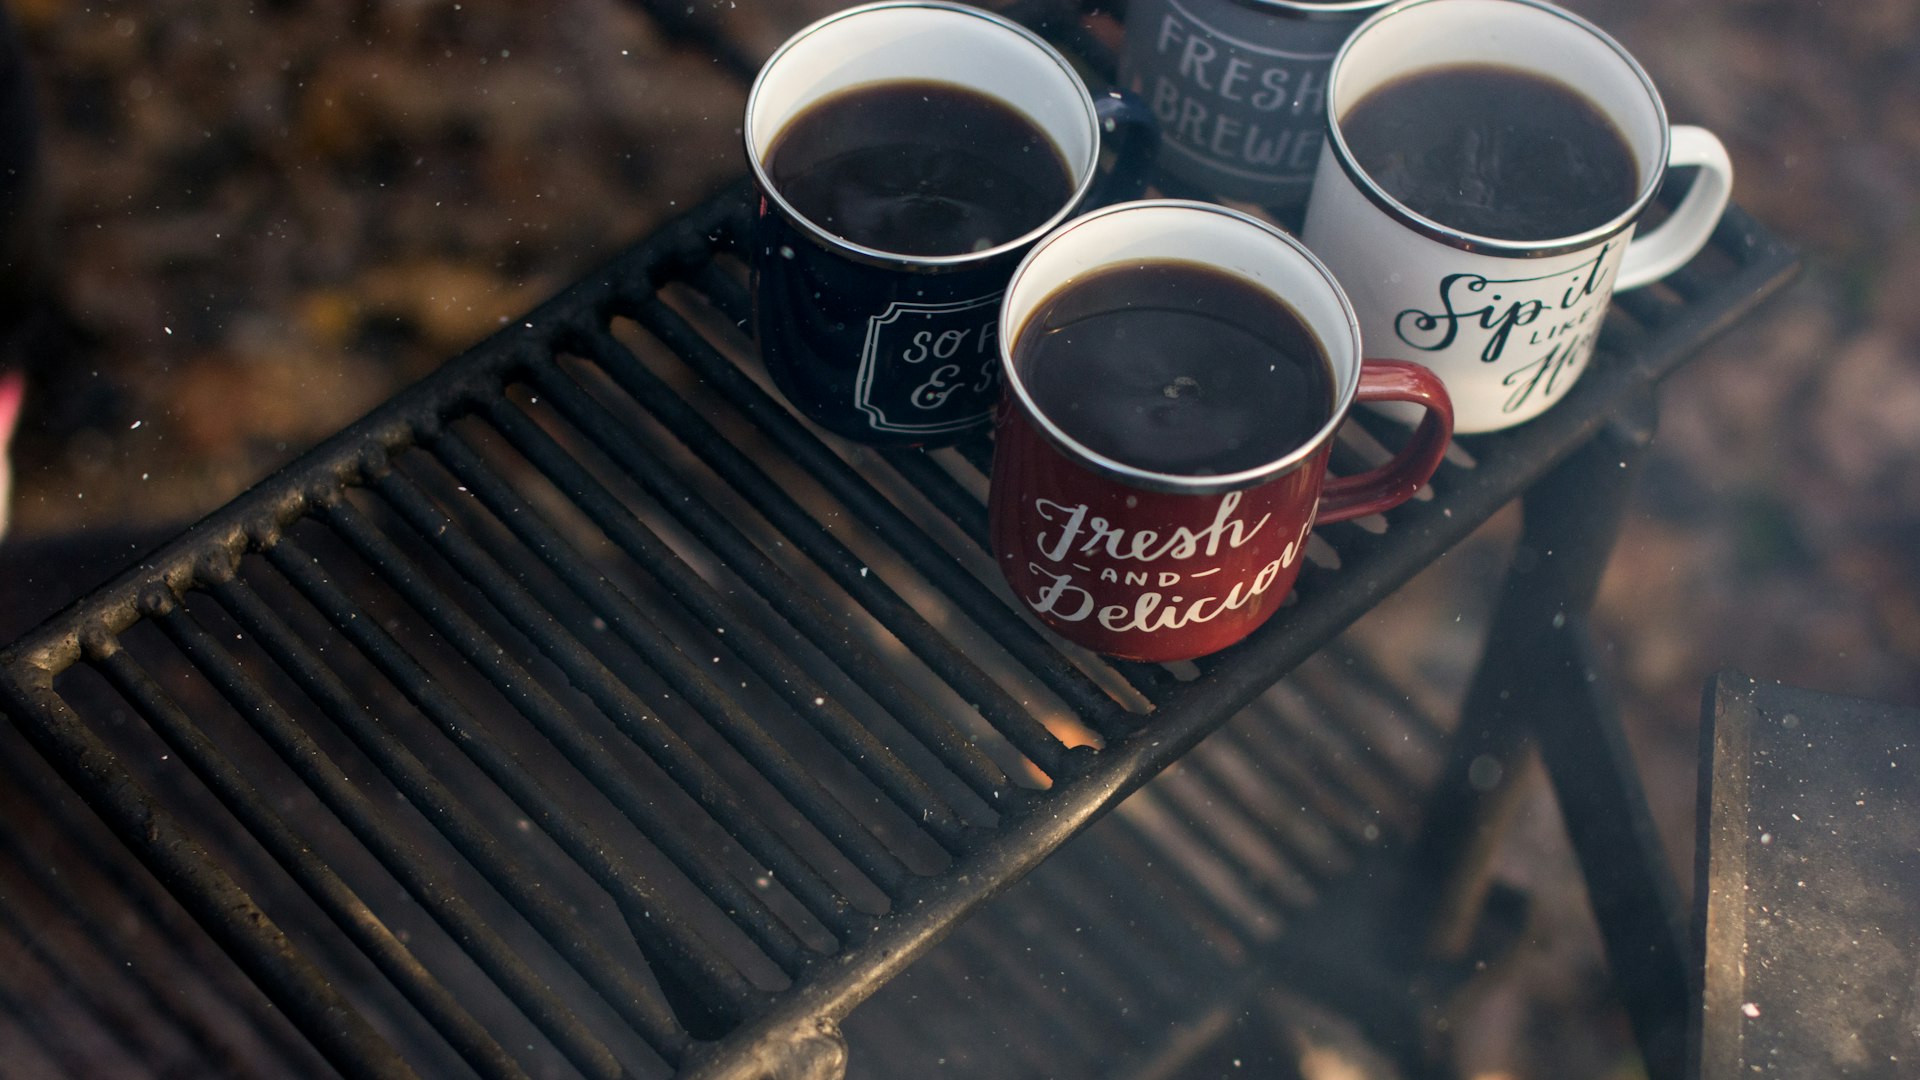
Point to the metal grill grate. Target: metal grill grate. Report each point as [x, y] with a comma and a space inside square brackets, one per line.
[581, 711]
[1136, 946]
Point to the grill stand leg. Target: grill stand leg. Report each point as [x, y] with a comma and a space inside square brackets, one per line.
[1539, 688]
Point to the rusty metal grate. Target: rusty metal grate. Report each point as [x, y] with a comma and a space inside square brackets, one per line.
[580, 711]
[1140, 946]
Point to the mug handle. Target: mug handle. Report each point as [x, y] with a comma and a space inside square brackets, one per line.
[1128, 128]
[1674, 241]
[1386, 487]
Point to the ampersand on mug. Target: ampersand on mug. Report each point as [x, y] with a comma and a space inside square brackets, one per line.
[947, 378]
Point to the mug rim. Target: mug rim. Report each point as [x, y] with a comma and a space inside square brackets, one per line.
[1493, 245]
[1183, 483]
[1088, 170]
[1306, 10]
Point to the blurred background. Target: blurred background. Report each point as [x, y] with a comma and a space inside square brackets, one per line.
[262, 217]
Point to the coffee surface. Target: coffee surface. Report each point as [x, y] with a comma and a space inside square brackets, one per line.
[1494, 151]
[1176, 368]
[919, 168]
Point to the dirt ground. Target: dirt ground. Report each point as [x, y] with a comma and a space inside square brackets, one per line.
[268, 216]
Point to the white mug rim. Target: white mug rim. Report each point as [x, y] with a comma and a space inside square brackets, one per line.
[1087, 170]
[1492, 245]
[1304, 10]
[1347, 375]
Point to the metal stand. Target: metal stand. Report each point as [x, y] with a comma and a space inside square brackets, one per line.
[1540, 688]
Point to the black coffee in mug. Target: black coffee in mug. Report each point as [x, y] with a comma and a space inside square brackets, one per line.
[1175, 367]
[919, 168]
[1493, 151]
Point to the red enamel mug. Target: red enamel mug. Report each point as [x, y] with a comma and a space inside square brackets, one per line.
[1139, 560]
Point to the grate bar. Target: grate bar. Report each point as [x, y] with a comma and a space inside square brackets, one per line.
[1626, 335]
[52, 880]
[439, 806]
[1645, 307]
[539, 707]
[978, 453]
[1364, 670]
[87, 974]
[1001, 622]
[1019, 727]
[1336, 755]
[926, 475]
[659, 933]
[1136, 965]
[1267, 855]
[23, 1000]
[1172, 939]
[1243, 873]
[794, 604]
[1015, 972]
[317, 879]
[1139, 857]
[642, 726]
[1278, 810]
[955, 751]
[997, 1012]
[1145, 945]
[722, 711]
[1689, 283]
[1324, 789]
[1764, 264]
[1128, 863]
[1156, 681]
[1354, 543]
[1086, 976]
[27, 782]
[1322, 700]
[338, 1031]
[724, 292]
[355, 811]
[811, 701]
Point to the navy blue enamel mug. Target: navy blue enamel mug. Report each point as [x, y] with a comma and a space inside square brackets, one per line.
[908, 154]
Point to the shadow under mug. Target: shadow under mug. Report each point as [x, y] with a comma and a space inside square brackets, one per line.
[1508, 324]
[892, 348]
[1157, 566]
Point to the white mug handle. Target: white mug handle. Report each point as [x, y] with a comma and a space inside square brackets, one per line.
[1678, 239]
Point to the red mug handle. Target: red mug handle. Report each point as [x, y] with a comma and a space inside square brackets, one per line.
[1386, 487]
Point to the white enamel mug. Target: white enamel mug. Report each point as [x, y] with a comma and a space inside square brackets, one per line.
[1508, 325]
